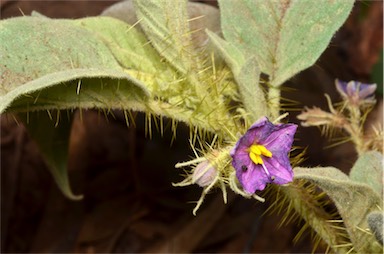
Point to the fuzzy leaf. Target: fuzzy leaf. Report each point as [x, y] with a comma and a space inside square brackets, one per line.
[368, 169]
[52, 137]
[166, 25]
[58, 65]
[52, 53]
[354, 202]
[246, 73]
[286, 36]
[47, 46]
[200, 15]
[77, 88]
[128, 45]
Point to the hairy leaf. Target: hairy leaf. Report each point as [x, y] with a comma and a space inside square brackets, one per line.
[77, 88]
[128, 45]
[53, 64]
[46, 46]
[39, 69]
[354, 202]
[368, 169]
[200, 16]
[246, 73]
[166, 25]
[286, 36]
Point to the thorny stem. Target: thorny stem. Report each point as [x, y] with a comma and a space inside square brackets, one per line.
[274, 102]
[355, 130]
[352, 125]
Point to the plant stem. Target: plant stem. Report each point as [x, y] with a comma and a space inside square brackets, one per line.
[305, 204]
[274, 102]
[356, 130]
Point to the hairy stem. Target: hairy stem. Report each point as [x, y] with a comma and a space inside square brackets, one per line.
[274, 102]
[310, 209]
[356, 130]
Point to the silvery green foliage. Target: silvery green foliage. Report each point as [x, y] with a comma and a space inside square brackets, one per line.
[354, 199]
[368, 169]
[58, 65]
[285, 36]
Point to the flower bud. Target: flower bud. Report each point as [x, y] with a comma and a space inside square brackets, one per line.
[204, 174]
[318, 117]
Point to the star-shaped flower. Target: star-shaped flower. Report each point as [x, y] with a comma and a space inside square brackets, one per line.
[355, 92]
[261, 155]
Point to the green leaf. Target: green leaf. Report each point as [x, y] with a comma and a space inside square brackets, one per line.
[77, 88]
[52, 137]
[368, 169]
[166, 25]
[246, 73]
[39, 69]
[128, 45]
[286, 36]
[354, 202]
[56, 64]
[47, 46]
[131, 49]
[201, 16]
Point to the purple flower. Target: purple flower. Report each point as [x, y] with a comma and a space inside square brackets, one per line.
[356, 92]
[261, 155]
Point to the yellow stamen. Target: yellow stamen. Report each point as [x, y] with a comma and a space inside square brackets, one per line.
[255, 152]
[255, 158]
[265, 151]
[255, 149]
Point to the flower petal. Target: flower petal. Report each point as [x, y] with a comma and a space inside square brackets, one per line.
[252, 179]
[278, 140]
[281, 138]
[280, 169]
[367, 90]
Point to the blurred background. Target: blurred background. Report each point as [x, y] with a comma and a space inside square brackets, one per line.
[129, 203]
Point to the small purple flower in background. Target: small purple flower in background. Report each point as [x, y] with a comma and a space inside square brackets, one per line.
[356, 92]
[261, 155]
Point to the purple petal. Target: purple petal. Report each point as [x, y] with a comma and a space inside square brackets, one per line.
[341, 87]
[276, 138]
[355, 90]
[257, 132]
[351, 88]
[280, 168]
[253, 178]
[367, 90]
[281, 138]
